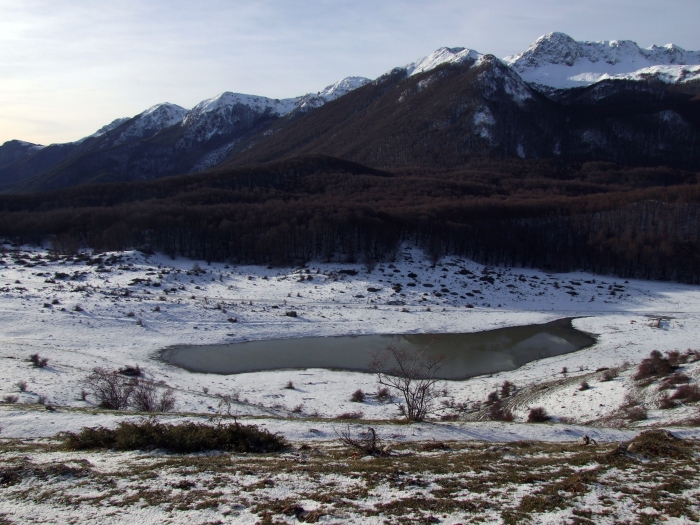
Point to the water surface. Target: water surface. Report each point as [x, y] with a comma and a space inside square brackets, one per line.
[466, 355]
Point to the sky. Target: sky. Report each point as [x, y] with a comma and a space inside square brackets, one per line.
[68, 68]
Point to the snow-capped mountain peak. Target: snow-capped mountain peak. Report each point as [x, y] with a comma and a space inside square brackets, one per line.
[342, 87]
[104, 129]
[444, 55]
[151, 121]
[226, 100]
[558, 61]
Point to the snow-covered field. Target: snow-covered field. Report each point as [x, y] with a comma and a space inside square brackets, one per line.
[118, 309]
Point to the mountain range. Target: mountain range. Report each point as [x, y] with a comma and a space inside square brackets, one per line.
[563, 99]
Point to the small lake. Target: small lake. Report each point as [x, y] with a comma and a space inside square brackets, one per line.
[467, 355]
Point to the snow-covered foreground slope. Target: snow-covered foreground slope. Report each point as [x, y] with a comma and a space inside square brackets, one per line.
[121, 309]
[118, 309]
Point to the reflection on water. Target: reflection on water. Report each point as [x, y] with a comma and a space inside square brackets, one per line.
[466, 355]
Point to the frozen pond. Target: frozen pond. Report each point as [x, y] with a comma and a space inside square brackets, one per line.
[467, 355]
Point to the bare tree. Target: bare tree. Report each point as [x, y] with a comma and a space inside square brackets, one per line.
[145, 398]
[111, 389]
[413, 375]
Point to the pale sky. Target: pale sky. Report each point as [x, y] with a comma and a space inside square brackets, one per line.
[69, 67]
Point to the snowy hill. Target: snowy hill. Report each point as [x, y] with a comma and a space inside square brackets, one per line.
[556, 60]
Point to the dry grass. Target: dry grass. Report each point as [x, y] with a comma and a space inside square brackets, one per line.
[468, 482]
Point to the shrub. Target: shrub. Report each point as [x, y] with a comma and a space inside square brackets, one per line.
[637, 414]
[37, 361]
[584, 386]
[181, 438]
[492, 397]
[368, 443]
[10, 399]
[654, 366]
[21, 385]
[674, 379]
[111, 389]
[507, 388]
[358, 396]
[383, 394]
[659, 443]
[349, 415]
[145, 398]
[666, 403]
[609, 374]
[289, 385]
[687, 393]
[537, 415]
[497, 412]
[131, 371]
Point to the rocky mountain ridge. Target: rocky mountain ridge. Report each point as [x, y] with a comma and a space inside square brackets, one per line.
[559, 98]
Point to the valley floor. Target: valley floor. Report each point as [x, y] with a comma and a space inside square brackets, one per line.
[121, 309]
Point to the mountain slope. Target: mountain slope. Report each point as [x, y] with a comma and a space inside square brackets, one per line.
[576, 101]
[166, 139]
[444, 116]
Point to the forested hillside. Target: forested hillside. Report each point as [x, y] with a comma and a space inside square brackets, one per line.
[641, 222]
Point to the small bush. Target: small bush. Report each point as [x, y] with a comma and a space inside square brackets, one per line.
[21, 385]
[291, 313]
[609, 374]
[666, 403]
[349, 415]
[674, 379]
[584, 386]
[538, 415]
[37, 361]
[687, 393]
[180, 438]
[383, 394]
[298, 409]
[659, 443]
[507, 388]
[10, 399]
[654, 366]
[637, 414]
[289, 385]
[145, 398]
[358, 396]
[492, 397]
[497, 412]
[131, 371]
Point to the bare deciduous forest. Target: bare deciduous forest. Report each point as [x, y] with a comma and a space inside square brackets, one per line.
[595, 216]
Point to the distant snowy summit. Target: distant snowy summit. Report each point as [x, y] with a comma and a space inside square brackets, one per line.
[558, 61]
